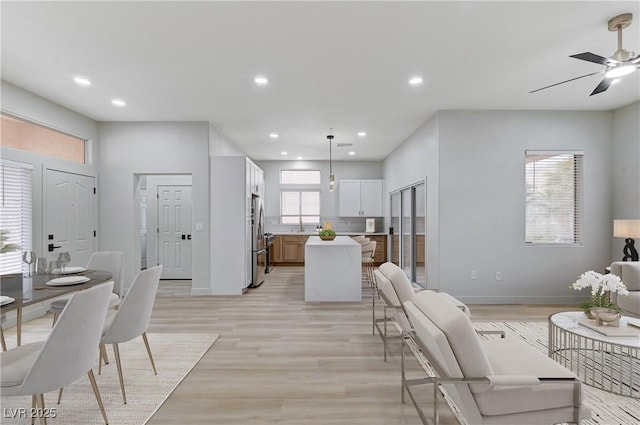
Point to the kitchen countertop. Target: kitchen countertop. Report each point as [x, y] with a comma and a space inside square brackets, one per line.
[337, 233]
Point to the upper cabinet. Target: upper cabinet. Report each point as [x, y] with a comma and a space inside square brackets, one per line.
[255, 179]
[360, 198]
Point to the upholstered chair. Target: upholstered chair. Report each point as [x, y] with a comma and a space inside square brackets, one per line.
[132, 318]
[110, 261]
[67, 354]
[629, 272]
[368, 252]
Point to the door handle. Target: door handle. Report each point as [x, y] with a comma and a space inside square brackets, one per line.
[184, 237]
[51, 247]
[189, 237]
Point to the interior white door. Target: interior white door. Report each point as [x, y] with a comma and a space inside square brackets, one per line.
[174, 231]
[69, 215]
[143, 229]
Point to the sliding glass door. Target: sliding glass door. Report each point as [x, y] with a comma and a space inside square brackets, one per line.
[408, 231]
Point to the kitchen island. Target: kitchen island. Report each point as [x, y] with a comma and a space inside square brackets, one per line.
[332, 269]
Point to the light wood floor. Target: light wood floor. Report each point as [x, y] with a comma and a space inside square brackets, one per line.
[281, 360]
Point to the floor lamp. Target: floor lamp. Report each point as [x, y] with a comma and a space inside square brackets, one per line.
[627, 229]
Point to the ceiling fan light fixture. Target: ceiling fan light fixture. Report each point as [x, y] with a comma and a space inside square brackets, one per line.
[620, 71]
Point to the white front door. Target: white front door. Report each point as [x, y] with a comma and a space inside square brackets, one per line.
[174, 231]
[69, 215]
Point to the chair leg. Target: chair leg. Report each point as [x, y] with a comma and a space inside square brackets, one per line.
[146, 344]
[60, 395]
[96, 392]
[4, 344]
[103, 356]
[116, 353]
[41, 409]
[55, 319]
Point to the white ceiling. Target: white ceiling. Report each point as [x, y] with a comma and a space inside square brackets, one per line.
[340, 65]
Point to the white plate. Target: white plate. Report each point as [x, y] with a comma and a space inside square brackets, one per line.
[70, 270]
[68, 280]
[6, 300]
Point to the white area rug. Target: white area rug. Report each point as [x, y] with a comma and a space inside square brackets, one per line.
[174, 354]
[606, 408]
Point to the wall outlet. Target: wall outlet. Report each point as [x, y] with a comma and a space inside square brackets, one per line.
[498, 275]
[474, 275]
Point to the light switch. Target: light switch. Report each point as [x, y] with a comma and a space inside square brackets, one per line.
[199, 227]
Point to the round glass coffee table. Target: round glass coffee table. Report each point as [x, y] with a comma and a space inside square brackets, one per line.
[607, 359]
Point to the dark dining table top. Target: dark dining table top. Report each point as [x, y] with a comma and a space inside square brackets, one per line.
[32, 290]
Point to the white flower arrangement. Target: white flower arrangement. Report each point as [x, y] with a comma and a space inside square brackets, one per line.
[601, 288]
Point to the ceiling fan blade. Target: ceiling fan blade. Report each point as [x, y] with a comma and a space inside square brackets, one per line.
[603, 86]
[566, 81]
[592, 57]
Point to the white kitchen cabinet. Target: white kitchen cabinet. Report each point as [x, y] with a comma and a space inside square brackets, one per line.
[233, 179]
[360, 198]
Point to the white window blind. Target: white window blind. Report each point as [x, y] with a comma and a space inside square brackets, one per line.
[300, 207]
[15, 213]
[553, 197]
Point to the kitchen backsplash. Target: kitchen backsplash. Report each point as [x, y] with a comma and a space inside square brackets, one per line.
[340, 224]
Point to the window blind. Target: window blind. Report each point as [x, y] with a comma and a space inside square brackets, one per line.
[300, 206]
[15, 213]
[553, 197]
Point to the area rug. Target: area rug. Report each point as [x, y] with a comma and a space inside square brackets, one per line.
[174, 354]
[606, 408]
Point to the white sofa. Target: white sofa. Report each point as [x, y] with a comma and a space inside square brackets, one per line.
[491, 381]
[629, 272]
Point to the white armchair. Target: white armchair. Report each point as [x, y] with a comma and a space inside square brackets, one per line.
[494, 381]
[629, 272]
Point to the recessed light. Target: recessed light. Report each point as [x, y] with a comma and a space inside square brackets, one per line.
[352, 153]
[362, 133]
[82, 81]
[415, 81]
[299, 158]
[261, 81]
[119, 103]
[274, 135]
[284, 153]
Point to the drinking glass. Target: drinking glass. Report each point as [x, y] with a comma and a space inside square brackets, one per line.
[29, 257]
[64, 258]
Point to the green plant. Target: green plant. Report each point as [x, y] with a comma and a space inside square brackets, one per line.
[326, 232]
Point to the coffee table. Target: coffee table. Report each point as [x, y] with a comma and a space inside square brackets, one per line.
[609, 363]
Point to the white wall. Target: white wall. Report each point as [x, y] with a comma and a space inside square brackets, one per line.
[219, 145]
[130, 149]
[625, 170]
[328, 200]
[418, 158]
[478, 157]
[30, 107]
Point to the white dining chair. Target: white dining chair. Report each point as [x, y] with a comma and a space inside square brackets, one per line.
[4, 344]
[110, 261]
[132, 318]
[67, 353]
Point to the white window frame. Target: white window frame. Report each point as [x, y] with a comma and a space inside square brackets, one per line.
[541, 234]
[16, 212]
[300, 218]
[317, 172]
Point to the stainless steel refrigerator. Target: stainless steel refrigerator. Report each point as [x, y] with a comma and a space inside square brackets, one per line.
[258, 248]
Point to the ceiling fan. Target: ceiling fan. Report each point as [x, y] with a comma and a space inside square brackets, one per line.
[621, 63]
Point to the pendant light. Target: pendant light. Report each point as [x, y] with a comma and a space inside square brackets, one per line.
[332, 179]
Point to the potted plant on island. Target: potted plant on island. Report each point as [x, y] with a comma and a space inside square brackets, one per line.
[327, 234]
[599, 306]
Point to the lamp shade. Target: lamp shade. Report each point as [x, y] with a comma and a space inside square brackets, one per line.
[626, 228]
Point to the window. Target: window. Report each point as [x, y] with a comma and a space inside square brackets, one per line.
[26, 136]
[15, 213]
[554, 197]
[300, 207]
[299, 177]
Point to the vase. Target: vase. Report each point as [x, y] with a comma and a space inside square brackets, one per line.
[327, 237]
[605, 316]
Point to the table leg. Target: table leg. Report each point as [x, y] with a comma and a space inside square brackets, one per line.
[18, 327]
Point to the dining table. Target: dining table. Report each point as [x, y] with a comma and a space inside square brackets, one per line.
[30, 290]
